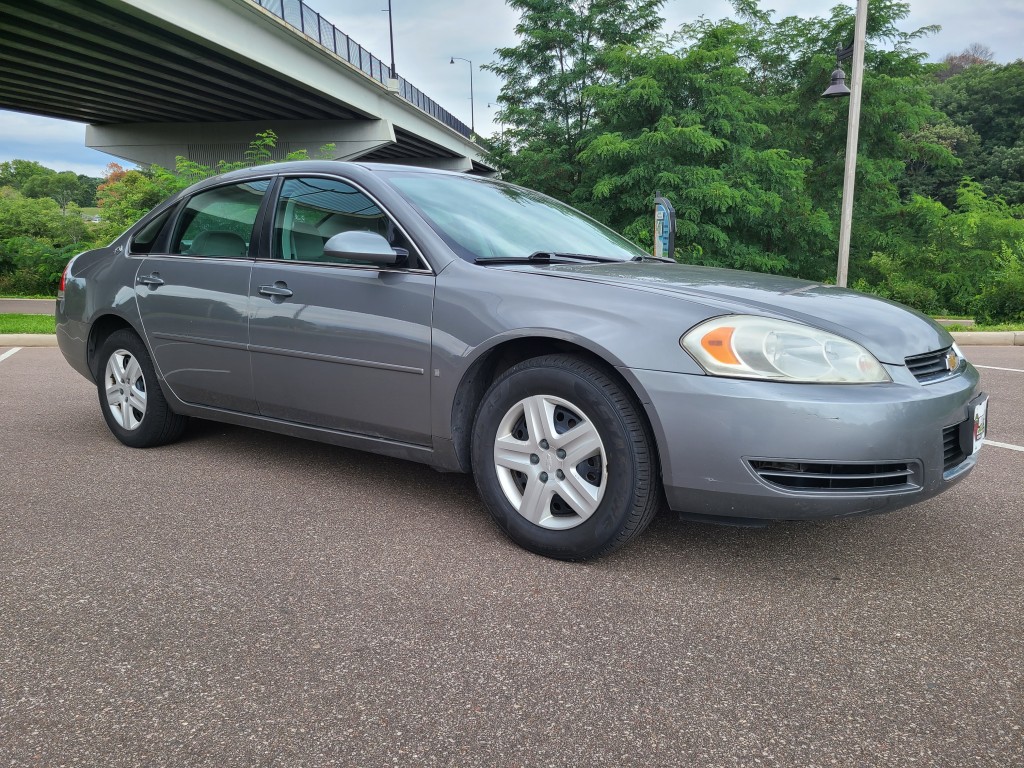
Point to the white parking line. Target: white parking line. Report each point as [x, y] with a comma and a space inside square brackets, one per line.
[1005, 445]
[997, 368]
[8, 353]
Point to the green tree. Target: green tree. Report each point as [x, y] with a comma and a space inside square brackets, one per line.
[38, 218]
[86, 195]
[14, 173]
[688, 124]
[546, 103]
[791, 60]
[62, 187]
[36, 241]
[988, 99]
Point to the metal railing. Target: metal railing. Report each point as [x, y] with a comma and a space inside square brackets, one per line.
[300, 16]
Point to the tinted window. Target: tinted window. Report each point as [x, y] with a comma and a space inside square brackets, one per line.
[219, 222]
[311, 211]
[146, 238]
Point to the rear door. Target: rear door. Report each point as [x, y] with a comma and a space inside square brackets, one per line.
[338, 343]
[193, 296]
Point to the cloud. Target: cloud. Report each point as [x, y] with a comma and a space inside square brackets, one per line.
[57, 144]
[21, 128]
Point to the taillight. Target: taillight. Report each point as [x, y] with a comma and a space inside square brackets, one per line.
[63, 279]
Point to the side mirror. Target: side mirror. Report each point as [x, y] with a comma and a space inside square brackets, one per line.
[364, 246]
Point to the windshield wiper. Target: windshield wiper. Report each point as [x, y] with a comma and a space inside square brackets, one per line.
[659, 259]
[545, 257]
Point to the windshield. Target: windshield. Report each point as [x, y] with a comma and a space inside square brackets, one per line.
[482, 219]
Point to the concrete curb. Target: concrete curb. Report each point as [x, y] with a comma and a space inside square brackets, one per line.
[989, 338]
[27, 340]
[28, 306]
[963, 338]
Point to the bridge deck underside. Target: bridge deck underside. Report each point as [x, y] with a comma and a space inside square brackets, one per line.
[91, 63]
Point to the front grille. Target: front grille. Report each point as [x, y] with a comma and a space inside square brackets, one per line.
[952, 452]
[930, 366]
[833, 477]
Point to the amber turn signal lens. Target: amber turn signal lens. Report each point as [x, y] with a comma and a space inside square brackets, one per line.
[718, 344]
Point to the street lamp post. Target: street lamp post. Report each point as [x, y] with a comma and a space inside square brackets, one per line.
[472, 111]
[852, 132]
[391, 35]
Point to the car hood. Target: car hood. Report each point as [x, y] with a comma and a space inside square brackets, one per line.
[890, 331]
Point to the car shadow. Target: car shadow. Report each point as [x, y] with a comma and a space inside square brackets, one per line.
[830, 550]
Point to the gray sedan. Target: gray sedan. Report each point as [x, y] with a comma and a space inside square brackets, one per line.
[477, 326]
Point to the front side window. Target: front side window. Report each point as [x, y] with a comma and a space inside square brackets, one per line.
[311, 211]
[218, 223]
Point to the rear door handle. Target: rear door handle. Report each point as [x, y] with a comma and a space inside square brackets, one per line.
[277, 290]
[151, 280]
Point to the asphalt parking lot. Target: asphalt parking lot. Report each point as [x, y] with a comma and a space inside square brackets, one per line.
[243, 599]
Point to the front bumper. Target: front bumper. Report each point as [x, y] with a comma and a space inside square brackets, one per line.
[713, 433]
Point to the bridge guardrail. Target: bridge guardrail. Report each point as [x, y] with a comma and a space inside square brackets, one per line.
[298, 15]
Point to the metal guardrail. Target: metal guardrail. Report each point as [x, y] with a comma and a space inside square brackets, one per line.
[300, 16]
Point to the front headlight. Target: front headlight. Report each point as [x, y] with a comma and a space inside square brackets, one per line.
[763, 348]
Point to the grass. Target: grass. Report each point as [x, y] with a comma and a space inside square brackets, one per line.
[27, 324]
[998, 327]
[50, 296]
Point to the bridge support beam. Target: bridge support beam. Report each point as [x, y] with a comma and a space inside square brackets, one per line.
[209, 143]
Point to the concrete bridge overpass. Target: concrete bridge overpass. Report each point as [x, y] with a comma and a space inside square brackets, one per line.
[154, 79]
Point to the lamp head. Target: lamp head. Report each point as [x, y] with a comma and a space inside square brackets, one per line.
[452, 61]
[838, 88]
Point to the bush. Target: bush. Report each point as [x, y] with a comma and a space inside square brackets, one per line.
[29, 265]
[1002, 300]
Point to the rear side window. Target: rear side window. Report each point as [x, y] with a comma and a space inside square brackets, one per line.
[146, 237]
[218, 223]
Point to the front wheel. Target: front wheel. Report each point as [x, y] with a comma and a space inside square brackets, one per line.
[133, 405]
[563, 458]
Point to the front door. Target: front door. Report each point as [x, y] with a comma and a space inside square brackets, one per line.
[193, 298]
[338, 343]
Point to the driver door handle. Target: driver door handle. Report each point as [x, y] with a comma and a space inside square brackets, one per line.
[151, 280]
[277, 290]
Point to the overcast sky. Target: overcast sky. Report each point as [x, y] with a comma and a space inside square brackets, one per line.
[429, 32]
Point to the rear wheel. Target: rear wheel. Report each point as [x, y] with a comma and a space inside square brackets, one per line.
[133, 405]
[563, 458]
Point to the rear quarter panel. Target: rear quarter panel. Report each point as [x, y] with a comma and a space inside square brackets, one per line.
[98, 283]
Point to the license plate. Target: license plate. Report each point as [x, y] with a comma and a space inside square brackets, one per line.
[980, 425]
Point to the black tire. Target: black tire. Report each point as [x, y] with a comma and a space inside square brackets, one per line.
[581, 395]
[155, 424]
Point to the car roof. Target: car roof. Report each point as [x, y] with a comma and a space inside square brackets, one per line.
[315, 166]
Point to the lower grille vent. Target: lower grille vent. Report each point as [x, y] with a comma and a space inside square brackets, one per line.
[833, 477]
[952, 453]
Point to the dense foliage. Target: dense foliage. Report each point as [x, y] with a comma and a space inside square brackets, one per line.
[725, 119]
[36, 240]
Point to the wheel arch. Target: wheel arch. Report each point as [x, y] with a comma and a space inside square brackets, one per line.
[100, 330]
[502, 353]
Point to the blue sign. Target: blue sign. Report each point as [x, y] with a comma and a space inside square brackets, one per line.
[664, 228]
